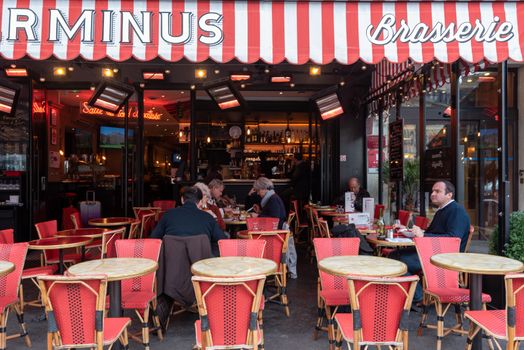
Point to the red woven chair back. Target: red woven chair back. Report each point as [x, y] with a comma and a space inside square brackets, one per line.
[262, 224]
[381, 302]
[515, 287]
[403, 216]
[75, 219]
[378, 208]
[326, 247]
[296, 209]
[73, 305]
[164, 204]
[229, 306]
[434, 276]
[422, 222]
[109, 239]
[139, 248]
[67, 223]
[276, 244]
[47, 229]
[7, 236]
[15, 253]
[242, 247]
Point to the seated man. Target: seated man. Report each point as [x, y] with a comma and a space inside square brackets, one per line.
[450, 220]
[360, 193]
[189, 220]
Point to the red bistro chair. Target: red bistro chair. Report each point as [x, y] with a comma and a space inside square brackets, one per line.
[422, 222]
[228, 310]
[9, 292]
[242, 247]
[109, 239]
[75, 308]
[276, 250]
[164, 204]
[508, 324]
[139, 293]
[299, 224]
[148, 218]
[332, 291]
[403, 216]
[441, 286]
[31, 273]
[380, 308]
[47, 229]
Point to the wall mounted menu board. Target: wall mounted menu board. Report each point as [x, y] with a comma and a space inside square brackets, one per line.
[13, 128]
[437, 165]
[396, 150]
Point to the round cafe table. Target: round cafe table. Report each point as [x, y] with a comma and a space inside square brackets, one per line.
[111, 221]
[233, 266]
[476, 265]
[59, 243]
[6, 267]
[235, 226]
[116, 270]
[362, 265]
[92, 232]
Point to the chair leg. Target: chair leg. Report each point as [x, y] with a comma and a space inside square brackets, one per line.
[3, 336]
[424, 318]
[124, 339]
[338, 339]
[283, 292]
[23, 329]
[156, 319]
[473, 330]
[145, 329]
[330, 327]
[458, 316]
[440, 325]
[261, 327]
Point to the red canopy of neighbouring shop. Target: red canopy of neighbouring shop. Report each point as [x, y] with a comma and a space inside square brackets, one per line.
[271, 31]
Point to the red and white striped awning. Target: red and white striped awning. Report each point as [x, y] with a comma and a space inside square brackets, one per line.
[271, 31]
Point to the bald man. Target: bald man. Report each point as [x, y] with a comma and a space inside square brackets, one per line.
[360, 193]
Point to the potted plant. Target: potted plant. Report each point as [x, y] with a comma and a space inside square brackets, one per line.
[410, 185]
[494, 285]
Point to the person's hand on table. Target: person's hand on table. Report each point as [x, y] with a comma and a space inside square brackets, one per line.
[254, 215]
[256, 208]
[399, 226]
[417, 231]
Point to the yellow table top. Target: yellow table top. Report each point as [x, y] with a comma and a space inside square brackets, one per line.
[115, 268]
[484, 264]
[233, 266]
[362, 265]
[6, 267]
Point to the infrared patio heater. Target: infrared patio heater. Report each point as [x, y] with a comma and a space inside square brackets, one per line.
[9, 94]
[224, 93]
[328, 102]
[110, 96]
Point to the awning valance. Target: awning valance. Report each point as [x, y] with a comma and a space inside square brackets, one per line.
[272, 31]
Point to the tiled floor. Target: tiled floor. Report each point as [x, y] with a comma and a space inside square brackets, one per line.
[281, 332]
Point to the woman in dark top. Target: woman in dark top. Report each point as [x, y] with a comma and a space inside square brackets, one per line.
[271, 205]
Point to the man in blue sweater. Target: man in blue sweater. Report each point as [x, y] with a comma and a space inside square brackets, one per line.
[450, 220]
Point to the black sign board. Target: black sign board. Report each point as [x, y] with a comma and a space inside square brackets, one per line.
[396, 150]
[437, 165]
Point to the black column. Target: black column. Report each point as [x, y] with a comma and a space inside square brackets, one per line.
[380, 150]
[455, 132]
[504, 186]
[422, 149]
[192, 132]
[125, 160]
[139, 164]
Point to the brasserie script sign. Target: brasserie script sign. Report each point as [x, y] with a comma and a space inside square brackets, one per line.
[386, 31]
[114, 24]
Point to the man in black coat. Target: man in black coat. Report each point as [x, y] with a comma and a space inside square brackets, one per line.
[188, 219]
[359, 191]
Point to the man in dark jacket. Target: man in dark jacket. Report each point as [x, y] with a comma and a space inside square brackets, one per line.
[360, 193]
[188, 219]
[450, 220]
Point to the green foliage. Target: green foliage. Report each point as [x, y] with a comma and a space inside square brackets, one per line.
[515, 248]
[411, 176]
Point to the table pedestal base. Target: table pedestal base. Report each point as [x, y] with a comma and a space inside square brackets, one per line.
[115, 305]
[475, 303]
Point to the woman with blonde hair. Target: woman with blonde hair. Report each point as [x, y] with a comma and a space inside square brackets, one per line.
[208, 206]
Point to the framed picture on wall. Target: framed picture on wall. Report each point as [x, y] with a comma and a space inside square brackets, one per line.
[54, 116]
[53, 136]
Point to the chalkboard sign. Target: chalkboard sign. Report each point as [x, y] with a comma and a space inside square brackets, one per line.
[13, 128]
[437, 165]
[396, 150]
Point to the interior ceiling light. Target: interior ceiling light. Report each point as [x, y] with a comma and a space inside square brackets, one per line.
[224, 94]
[281, 79]
[59, 71]
[328, 103]
[200, 73]
[108, 72]
[240, 77]
[153, 75]
[16, 72]
[315, 70]
[111, 96]
[9, 94]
